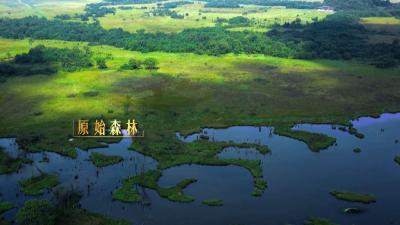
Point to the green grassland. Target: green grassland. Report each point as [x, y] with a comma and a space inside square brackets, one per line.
[46, 8]
[189, 89]
[138, 18]
[380, 20]
[197, 16]
[387, 29]
[189, 92]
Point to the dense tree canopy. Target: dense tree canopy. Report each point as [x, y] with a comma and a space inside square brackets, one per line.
[43, 60]
[338, 37]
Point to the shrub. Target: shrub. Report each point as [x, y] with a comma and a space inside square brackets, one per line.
[101, 64]
[132, 64]
[150, 64]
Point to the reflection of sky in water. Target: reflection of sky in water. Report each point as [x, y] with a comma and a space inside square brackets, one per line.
[365, 121]
[299, 180]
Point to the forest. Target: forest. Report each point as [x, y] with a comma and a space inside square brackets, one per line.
[44, 60]
[342, 38]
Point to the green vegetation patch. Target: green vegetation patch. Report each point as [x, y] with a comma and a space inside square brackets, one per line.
[36, 212]
[43, 60]
[76, 215]
[128, 193]
[5, 206]
[101, 160]
[315, 141]
[263, 149]
[37, 185]
[354, 197]
[9, 164]
[318, 221]
[201, 152]
[397, 159]
[213, 202]
[63, 212]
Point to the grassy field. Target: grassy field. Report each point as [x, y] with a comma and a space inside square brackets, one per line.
[191, 87]
[380, 20]
[139, 18]
[387, 28]
[189, 92]
[197, 16]
[46, 8]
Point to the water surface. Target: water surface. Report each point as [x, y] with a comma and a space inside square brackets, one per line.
[299, 181]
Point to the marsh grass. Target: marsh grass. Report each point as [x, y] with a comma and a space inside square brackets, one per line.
[9, 164]
[5, 206]
[101, 160]
[38, 184]
[187, 93]
[213, 202]
[128, 193]
[354, 197]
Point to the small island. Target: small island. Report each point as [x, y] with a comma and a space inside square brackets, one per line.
[37, 184]
[100, 160]
[397, 159]
[213, 202]
[354, 197]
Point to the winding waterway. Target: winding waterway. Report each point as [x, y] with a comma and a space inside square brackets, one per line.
[299, 181]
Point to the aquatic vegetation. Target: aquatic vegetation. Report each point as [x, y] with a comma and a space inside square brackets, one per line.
[257, 192]
[187, 93]
[5, 206]
[36, 212]
[397, 159]
[354, 131]
[202, 152]
[101, 160]
[254, 166]
[42, 212]
[318, 221]
[128, 193]
[73, 216]
[213, 202]
[260, 184]
[316, 142]
[353, 197]
[36, 185]
[263, 149]
[9, 164]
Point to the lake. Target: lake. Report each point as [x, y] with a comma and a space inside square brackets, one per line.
[299, 180]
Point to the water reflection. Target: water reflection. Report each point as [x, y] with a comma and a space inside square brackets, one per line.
[299, 181]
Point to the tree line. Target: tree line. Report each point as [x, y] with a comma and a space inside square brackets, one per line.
[286, 3]
[337, 37]
[45, 60]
